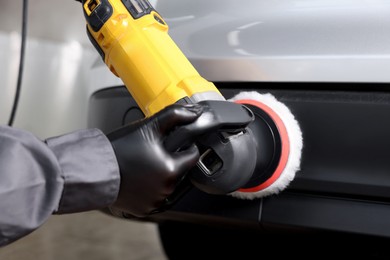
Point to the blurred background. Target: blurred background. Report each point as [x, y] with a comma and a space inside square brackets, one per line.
[54, 97]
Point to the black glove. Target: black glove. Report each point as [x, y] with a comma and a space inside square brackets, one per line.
[149, 173]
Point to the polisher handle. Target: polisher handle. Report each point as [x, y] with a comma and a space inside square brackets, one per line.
[223, 117]
[218, 116]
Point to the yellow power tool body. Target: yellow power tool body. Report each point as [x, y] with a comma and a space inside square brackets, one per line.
[133, 40]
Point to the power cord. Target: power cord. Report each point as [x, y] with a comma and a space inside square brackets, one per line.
[21, 63]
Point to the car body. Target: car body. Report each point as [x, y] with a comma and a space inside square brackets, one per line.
[328, 61]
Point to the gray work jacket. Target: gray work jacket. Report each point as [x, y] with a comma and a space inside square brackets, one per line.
[66, 174]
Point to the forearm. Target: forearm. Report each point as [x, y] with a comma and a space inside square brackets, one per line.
[70, 173]
[89, 168]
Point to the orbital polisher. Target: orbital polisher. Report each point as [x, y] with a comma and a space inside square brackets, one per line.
[255, 147]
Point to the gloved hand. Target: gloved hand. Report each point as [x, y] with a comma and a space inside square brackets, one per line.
[149, 172]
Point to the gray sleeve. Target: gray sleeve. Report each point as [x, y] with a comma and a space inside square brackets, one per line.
[69, 173]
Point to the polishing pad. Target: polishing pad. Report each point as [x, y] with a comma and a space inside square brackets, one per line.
[279, 140]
